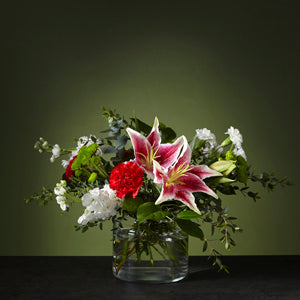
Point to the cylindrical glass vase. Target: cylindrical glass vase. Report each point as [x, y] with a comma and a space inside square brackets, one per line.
[153, 251]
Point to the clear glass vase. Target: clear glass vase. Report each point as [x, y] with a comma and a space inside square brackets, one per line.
[153, 251]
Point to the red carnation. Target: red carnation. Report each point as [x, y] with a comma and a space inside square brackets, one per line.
[126, 179]
[69, 171]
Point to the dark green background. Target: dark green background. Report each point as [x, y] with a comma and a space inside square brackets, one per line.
[193, 66]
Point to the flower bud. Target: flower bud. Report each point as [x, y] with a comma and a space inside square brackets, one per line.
[36, 145]
[92, 178]
[226, 142]
[225, 166]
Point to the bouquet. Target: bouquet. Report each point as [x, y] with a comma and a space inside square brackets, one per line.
[148, 175]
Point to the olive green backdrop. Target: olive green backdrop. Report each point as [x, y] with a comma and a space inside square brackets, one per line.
[193, 66]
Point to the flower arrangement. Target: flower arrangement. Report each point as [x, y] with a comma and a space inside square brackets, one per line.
[157, 177]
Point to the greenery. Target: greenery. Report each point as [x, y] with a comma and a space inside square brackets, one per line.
[91, 170]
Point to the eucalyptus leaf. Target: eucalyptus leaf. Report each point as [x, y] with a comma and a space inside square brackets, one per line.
[121, 141]
[108, 149]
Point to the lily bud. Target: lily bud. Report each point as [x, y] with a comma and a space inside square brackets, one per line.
[226, 166]
[226, 142]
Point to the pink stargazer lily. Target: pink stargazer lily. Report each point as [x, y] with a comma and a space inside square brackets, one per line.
[180, 180]
[147, 149]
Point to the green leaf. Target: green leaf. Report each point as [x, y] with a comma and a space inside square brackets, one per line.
[131, 204]
[190, 228]
[242, 169]
[150, 211]
[167, 135]
[84, 229]
[141, 126]
[187, 215]
[204, 246]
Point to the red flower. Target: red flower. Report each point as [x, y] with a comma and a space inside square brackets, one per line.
[126, 179]
[69, 171]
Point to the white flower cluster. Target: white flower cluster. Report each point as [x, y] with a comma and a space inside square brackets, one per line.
[82, 141]
[60, 191]
[100, 204]
[55, 152]
[237, 140]
[206, 135]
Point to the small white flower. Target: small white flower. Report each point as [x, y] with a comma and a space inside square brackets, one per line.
[55, 152]
[60, 188]
[237, 140]
[63, 206]
[209, 138]
[65, 163]
[240, 151]
[206, 135]
[235, 136]
[100, 204]
[60, 191]
[87, 141]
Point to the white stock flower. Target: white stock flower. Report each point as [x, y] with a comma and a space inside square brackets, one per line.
[237, 140]
[235, 136]
[206, 135]
[60, 188]
[240, 151]
[60, 191]
[100, 204]
[65, 163]
[55, 152]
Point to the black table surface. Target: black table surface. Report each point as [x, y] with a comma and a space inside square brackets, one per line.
[74, 277]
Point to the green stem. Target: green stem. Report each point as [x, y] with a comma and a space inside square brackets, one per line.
[72, 197]
[100, 170]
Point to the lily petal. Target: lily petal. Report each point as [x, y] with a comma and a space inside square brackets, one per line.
[159, 173]
[186, 153]
[167, 153]
[142, 150]
[154, 137]
[203, 171]
[186, 198]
